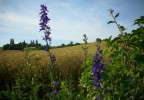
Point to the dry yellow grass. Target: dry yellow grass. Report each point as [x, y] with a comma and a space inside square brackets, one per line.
[69, 59]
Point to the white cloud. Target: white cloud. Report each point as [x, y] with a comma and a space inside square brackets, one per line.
[9, 18]
[65, 29]
[19, 27]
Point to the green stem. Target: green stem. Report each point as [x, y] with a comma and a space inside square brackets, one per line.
[50, 55]
[85, 55]
[116, 23]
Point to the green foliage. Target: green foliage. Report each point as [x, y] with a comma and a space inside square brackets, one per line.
[109, 41]
[117, 15]
[66, 45]
[98, 40]
[85, 48]
[139, 21]
[111, 22]
[22, 45]
[71, 43]
[122, 28]
[63, 45]
[124, 74]
[86, 80]
[124, 79]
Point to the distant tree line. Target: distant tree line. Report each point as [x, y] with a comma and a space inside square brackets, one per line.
[33, 43]
[22, 45]
[67, 45]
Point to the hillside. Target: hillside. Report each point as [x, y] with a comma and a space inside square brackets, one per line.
[68, 56]
[59, 51]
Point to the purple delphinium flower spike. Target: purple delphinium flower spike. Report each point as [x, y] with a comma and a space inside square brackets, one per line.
[97, 68]
[44, 19]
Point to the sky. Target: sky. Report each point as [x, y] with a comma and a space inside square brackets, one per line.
[70, 19]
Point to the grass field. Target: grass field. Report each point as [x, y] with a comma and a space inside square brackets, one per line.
[66, 57]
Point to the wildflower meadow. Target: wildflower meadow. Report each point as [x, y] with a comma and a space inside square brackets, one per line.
[108, 69]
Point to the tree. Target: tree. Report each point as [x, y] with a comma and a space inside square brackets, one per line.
[12, 42]
[5, 47]
[21, 45]
[36, 42]
[77, 43]
[71, 43]
[98, 40]
[63, 45]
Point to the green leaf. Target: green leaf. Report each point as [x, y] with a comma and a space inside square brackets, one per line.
[122, 28]
[105, 52]
[115, 39]
[111, 11]
[116, 46]
[111, 22]
[110, 38]
[139, 21]
[117, 15]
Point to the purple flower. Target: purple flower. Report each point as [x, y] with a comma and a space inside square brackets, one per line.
[43, 8]
[99, 50]
[97, 84]
[97, 76]
[46, 48]
[47, 37]
[44, 23]
[47, 32]
[44, 18]
[53, 58]
[55, 84]
[54, 92]
[97, 68]
[96, 56]
[97, 97]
